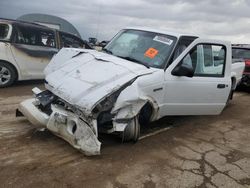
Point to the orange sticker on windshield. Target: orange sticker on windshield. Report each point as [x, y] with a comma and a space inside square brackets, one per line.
[151, 53]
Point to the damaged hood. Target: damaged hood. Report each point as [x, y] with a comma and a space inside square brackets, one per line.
[87, 76]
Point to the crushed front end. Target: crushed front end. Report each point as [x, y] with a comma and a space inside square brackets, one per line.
[68, 122]
[82, 99]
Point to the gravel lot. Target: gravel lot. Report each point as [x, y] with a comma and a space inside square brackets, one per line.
[202, 151]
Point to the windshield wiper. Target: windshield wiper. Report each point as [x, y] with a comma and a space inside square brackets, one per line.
[107, 51]
[135, 60]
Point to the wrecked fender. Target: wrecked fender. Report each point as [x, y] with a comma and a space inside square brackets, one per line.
[129, 104]
[75, 131]
[80, 134]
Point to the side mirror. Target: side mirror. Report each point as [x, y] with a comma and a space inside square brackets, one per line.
[183, 70]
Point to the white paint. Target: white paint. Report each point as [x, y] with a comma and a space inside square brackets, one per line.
[94, 74]
[83, 139]
[237, 71]
[88, 78]
[36, 90]
[34, 115]
[28, 66]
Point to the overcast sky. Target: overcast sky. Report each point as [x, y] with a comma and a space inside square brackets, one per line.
[220, 19]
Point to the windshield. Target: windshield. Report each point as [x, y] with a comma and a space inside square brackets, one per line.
[147, 48]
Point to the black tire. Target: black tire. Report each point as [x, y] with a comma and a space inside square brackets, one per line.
[8, 74]
[230, 96]
[132, 131]
[145, 115]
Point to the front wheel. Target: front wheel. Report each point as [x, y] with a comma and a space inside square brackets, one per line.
[7, 74]
[132, 131]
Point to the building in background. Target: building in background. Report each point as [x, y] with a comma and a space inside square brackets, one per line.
[52, 22]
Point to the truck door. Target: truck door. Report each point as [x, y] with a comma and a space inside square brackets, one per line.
[32, 48]
[207, 91]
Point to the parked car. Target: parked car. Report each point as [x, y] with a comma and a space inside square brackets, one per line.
[93, 41]
[141, 76]
[26, 48]
[103, 43]
[240, 52]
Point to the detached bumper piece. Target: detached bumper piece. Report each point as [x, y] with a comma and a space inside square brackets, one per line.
[32, 113]
[64, 124]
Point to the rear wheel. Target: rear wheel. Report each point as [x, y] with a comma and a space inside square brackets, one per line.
[132, 131]
[7, 74]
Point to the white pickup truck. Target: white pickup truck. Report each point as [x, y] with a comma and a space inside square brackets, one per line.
[141, 76]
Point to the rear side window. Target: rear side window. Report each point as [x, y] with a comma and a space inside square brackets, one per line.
[48, 38]
[241, 53]
[4, 30]
[68, 40]
[35, 36]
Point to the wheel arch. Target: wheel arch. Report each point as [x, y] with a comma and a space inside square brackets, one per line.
[131, 129]
[150, 108]
[138, 107]
[14, 67]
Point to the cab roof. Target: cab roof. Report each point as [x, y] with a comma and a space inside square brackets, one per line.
[176, 34]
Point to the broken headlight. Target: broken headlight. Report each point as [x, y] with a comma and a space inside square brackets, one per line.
[107, 103]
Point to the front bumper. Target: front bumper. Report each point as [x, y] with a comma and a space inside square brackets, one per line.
[29, 109]
[64, 124]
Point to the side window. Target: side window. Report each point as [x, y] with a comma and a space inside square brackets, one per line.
[207, 60]
[4, 30]
[70, 41]
[34, 36]
[48, 39]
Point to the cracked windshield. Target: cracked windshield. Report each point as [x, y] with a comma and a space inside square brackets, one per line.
[147, 48]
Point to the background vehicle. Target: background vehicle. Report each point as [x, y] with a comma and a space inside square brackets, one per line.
[239, 53]
[93, 41]
[26, 49]
[141, 76]
[103, 43]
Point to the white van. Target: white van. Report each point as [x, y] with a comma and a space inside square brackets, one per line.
[26, 49]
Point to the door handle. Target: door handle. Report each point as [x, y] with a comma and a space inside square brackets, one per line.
[221, 86]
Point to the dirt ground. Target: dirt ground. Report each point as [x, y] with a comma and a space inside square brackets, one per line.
[203, 151]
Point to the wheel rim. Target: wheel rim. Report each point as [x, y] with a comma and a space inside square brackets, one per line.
[5, 75]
